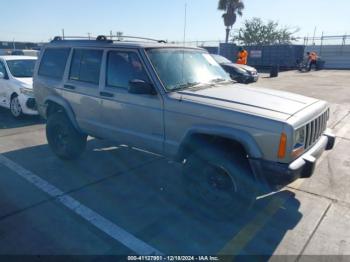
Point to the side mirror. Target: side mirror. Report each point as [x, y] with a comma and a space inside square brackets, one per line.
[2, 76]
[141, 87]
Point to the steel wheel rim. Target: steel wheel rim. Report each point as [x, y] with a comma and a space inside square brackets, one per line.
[217, 186]
[16, 109]
[60, 138]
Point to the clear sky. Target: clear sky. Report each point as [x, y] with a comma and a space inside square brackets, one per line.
[38, 20]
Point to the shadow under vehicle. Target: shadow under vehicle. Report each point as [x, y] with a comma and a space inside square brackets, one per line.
[128, 187]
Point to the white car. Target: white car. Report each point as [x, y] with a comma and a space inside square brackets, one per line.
[16, 85]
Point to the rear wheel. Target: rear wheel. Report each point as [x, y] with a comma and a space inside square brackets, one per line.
[302, 67]
[15, 107]
[220, 181]
[65, 141]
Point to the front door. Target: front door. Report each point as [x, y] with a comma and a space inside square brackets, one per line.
[4, 86]
[133, 119]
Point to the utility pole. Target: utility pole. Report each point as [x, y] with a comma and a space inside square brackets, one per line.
[185, 24]
[63, 34]
[321, 43]
[89, 35]
[313, 40]
[111, 34]
[120, 36]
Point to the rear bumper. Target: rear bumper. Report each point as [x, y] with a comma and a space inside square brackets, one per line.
[277, 175]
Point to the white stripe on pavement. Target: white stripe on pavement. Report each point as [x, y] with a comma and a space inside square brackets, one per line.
[103, 224]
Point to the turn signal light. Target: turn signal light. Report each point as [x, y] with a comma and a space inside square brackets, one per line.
[283, 146]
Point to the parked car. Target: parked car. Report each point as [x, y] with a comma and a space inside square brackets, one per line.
[25, 52]
[17, 52]
[234, 142]
[241, 73]
[16, 85]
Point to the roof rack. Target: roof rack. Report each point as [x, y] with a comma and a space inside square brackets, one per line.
[99, 38]
[121, 37]
[112, 38]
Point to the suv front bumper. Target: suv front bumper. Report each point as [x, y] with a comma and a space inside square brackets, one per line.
[277, 175]
[28, 104]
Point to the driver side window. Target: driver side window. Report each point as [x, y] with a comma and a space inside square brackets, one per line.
[123, 67]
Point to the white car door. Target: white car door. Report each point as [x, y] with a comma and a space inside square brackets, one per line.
[4, 85]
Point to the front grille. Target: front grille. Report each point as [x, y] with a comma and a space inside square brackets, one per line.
[315, 129]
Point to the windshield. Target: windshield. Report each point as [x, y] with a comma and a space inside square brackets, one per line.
[185, 68]
[21, 68]
[221, 60]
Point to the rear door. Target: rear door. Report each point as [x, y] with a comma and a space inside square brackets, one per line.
[81, 88]
[133, 119]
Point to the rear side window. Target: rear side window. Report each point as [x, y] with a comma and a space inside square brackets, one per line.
[86, 66]
[54, 62]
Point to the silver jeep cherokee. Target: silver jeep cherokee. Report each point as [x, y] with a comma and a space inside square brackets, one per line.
[233, 141]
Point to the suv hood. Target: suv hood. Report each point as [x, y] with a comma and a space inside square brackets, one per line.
[260, 101]
[244, 67]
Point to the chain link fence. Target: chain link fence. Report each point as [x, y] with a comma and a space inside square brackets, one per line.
[325, 40]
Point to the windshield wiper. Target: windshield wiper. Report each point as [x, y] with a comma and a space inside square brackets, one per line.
[185, 86]
[222, 80]
[218, 80]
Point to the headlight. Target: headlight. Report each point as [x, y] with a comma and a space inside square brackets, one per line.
[299, 142]
[26, 91]
[299, 137]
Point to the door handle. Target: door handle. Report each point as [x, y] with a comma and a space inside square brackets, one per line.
[106, 94]
[69, 87]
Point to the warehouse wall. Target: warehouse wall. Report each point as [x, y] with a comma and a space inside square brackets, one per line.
[336, 56]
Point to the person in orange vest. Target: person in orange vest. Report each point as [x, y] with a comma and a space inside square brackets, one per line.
[312, 59]
[242, 56]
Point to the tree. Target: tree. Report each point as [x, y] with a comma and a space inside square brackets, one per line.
[256, 32]
[232, 8]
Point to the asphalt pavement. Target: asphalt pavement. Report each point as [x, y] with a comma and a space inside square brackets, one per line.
[117, 200]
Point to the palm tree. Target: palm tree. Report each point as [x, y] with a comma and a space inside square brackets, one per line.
[232, 8]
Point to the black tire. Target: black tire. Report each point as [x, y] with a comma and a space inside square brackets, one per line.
[15, 108]
[220, 182]
[64, 140]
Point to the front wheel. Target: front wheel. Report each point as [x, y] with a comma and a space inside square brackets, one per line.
[65, 141]
[220, 181]
[15, 107]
